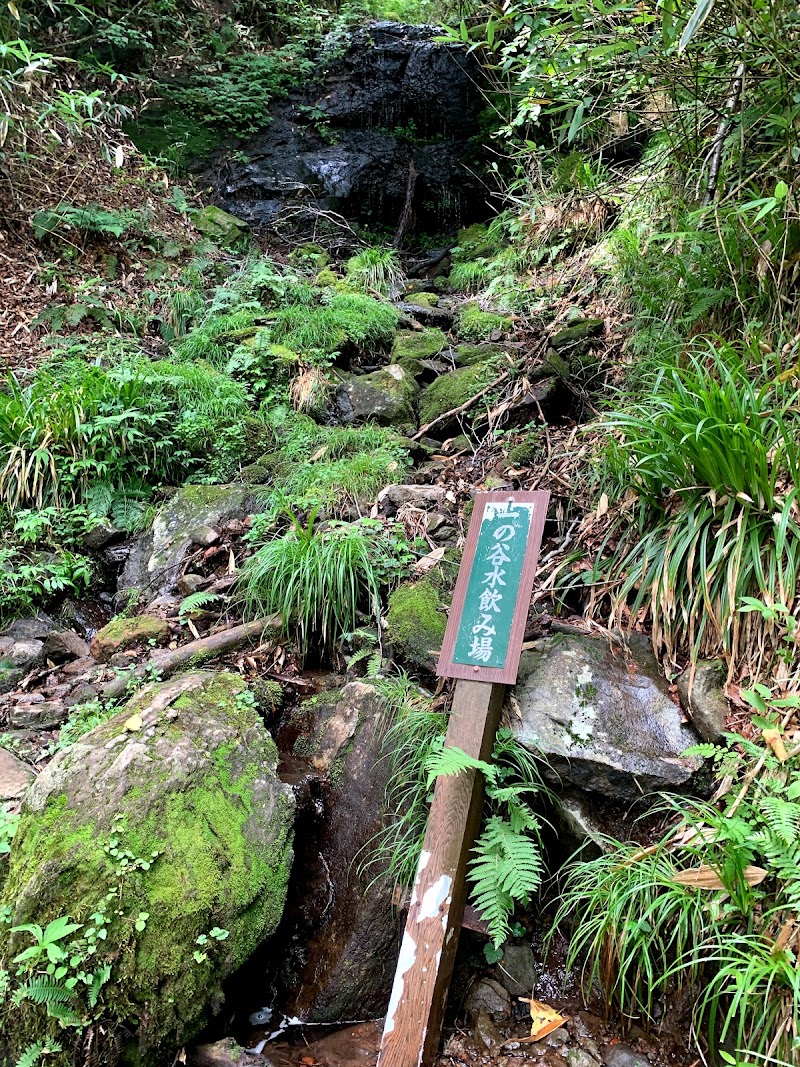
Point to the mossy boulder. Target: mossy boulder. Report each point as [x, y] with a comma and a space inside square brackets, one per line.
[221, 227]
[473, 324]
[124, 632]
[182, 783]
[416, 624]
[410, 346]
[387, 396]
[525, 452]
[154, 561]
[449, 391]
[581, 331]
[310, 255]
[467, 354]
[423, 300]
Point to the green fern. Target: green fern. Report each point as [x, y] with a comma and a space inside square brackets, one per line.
[506, 871]
[449, 760]
[33, 1053]
[43, 991]
[98, 980]
[196, 601]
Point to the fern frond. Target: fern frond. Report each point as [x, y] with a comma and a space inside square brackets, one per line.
[195, 601]
[33, 1053]
[507, 868]
[64, 1014]
[449, 760]
[99, 979]
[782, 818]
[44, 991]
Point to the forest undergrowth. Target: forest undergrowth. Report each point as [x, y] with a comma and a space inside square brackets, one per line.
[649, 157]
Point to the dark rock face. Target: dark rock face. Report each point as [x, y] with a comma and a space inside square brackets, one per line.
[604, 722]
[394, 107]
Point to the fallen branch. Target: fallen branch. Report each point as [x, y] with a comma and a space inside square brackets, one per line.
[462, 407]
[169, 660]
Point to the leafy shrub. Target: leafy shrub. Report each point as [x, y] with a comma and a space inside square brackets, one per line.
[62, 220]
[507, 865]
[318, 580]
[709, 462]
[28, 579]
[376, 269]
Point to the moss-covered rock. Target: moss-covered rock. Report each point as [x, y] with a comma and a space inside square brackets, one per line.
[184, 782]
[410, 346]
[423, 300]
[125, 632]
[581, 331]
[221, 227]
[449, 391]
[154, 560]
[386, 396]
[327, 279]
[467, 354]
[525, 452]
[474, 242]
[311, 255]
[416, 623]
[472, 324]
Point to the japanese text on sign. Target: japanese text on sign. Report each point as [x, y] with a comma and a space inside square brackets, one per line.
[491, 597]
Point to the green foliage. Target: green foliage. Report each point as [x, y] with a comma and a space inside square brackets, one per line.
[713, 900]
[507, 865]
[469, 276]
[318, 580]
[708, 463]
[195, 602]
[8, 827]
[341, 320]
[77, 425]
[63, 220]
[82, 718]
[377, 270]
[332, 467]
[28, 579]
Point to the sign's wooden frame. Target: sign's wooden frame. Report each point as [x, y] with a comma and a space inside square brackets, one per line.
[506, 675]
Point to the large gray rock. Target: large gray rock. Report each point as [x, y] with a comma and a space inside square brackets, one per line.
[386, 396]
[603, 721]
[342, 921]
[184, 778]
[15, 777]
[155, 558]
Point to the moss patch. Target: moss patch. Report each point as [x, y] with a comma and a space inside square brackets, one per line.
[467, 354]
[416, 623]
[472, 324]
[123, 632]
[449, 391]
[412, 345]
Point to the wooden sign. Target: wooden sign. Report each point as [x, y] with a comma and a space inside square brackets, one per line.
[481, 648]
[486, 627]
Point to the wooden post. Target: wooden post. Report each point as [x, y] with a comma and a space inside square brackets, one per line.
[414, 1021]
[481, 648]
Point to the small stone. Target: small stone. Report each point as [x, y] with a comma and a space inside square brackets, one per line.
[385, 396]
[83, 693]
[418, 496]
[46, 715]
[705, 702]
[224, 1053]
[578, 1057]
[490, 997]
[581, 332]
[204, 535]
[9, 676]
[122, 633]
[190, 583]
[517, 970]
[484, 1032]
[15, 776]
[36, 626]
[101, 535]
[623, 1056]
[78, 666]
[557, 1038]
[221, 227]
[61, 645]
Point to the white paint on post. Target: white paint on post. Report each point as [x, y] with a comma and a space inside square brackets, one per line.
[435, 896]
[405, 961]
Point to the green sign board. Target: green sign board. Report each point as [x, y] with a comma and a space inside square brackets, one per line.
[485, 627]
[487, 620]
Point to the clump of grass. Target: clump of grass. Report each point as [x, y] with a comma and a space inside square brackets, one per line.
[216, 336]
[709, 462]
[343, 319]
[318, 580]
[377, 270]
[711, 905]
[469, 276]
